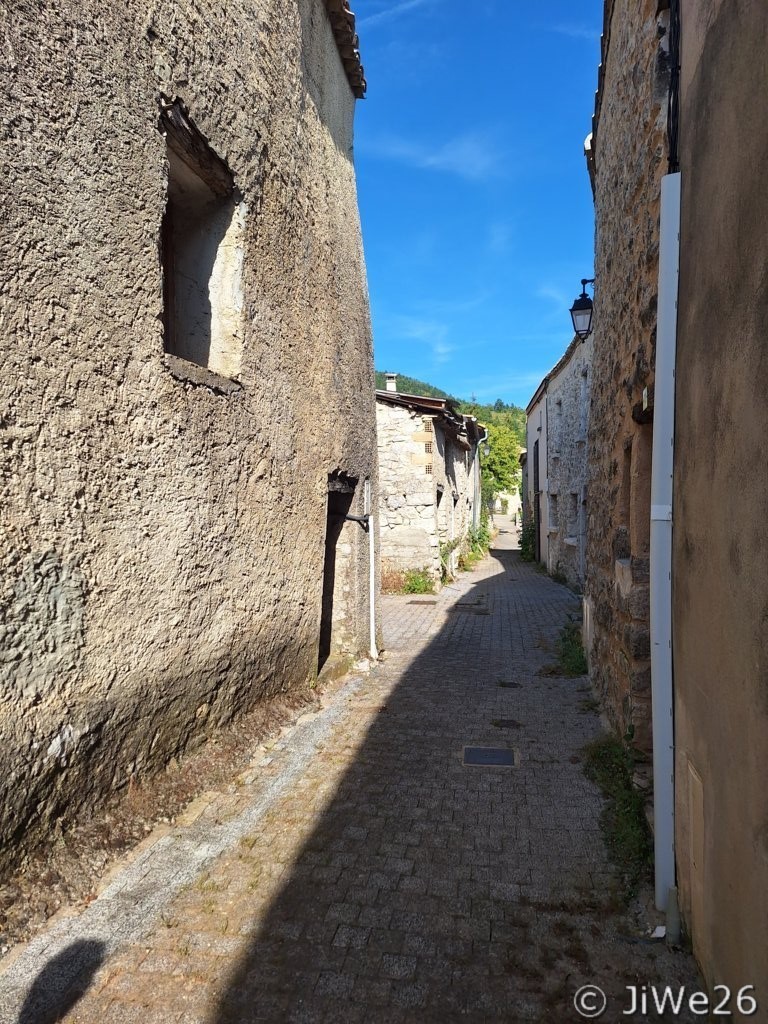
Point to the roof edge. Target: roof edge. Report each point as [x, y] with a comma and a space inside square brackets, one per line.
[348, 44]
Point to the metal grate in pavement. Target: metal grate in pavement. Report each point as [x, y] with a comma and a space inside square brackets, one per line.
[505, 723]
[421, 602]
[509, 686]
[495, 757]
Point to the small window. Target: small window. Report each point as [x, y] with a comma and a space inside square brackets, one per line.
[428, 447]
[427, 425]
[202, 250]
[554, 515]
[428, 469]
[573, 514]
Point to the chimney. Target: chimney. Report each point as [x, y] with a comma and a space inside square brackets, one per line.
[391, 382]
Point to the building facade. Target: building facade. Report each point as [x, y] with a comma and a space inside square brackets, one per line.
[720, 534]
[557, 422]
[627, 159]
[184, 397]
[429, 472]
[669, 86]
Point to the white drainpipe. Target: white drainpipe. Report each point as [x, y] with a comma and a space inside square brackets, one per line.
[368, 511]
[661, 544]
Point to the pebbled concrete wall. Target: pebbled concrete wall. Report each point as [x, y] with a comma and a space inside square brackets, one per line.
[629, 154]
[162, 537]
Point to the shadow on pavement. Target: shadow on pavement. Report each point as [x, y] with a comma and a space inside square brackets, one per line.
[62, 983]
[434, 891]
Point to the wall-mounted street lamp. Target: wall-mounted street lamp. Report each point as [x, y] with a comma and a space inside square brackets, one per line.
[581, 311]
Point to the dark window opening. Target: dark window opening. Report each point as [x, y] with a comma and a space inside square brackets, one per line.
[202, 250]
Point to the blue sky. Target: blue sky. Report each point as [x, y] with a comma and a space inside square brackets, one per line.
[474, 196]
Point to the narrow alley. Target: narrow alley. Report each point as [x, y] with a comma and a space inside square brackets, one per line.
[362, 871]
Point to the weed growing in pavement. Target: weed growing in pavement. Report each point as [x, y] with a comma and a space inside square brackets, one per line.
[418, 581]
[608, 763]
[570, 653]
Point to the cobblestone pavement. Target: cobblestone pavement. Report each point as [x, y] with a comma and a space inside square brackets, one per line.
[361, 872]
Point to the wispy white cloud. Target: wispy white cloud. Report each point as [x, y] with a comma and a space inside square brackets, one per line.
[576, 31]
[469, 156]
[392, 11]
[555, 295]
[430, 332]
[484, 387]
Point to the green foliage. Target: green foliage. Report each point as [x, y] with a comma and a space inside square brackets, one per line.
[410, 386]
[570, 653]
[418, 581]
[501, 464]
[528, 542]
[479, 539]
[609, 764]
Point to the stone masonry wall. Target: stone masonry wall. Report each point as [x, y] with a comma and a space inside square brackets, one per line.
[629, 160]
[426, 492]
[568, 414]
[407, 511]
[162, 529]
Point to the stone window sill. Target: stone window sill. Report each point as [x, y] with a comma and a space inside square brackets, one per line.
[199, 376]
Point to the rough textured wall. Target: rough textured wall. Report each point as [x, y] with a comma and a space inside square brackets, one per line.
[567, 399]
[407, 513]
[630, 157]
[720, 612]
[162, 541]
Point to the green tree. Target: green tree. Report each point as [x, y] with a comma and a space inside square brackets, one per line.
[500, 464]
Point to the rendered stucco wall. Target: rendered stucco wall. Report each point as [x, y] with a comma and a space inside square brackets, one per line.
[630, 158]
[720, 567]
[162, 538]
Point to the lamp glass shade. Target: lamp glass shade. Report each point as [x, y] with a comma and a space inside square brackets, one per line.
[581, 314]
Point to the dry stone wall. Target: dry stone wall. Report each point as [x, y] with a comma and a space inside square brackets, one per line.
[162, 541]
[630, 157]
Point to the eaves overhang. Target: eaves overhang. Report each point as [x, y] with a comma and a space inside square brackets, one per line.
[343, 24]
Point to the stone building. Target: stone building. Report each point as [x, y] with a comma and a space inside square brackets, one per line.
[627, 158]
[429, 471]
[557, 421]
[690, 131]
[186, 395]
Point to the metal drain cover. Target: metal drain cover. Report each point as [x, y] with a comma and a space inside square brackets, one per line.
[510, 686]
[422, 602]
[505, 723]
[490, 756]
